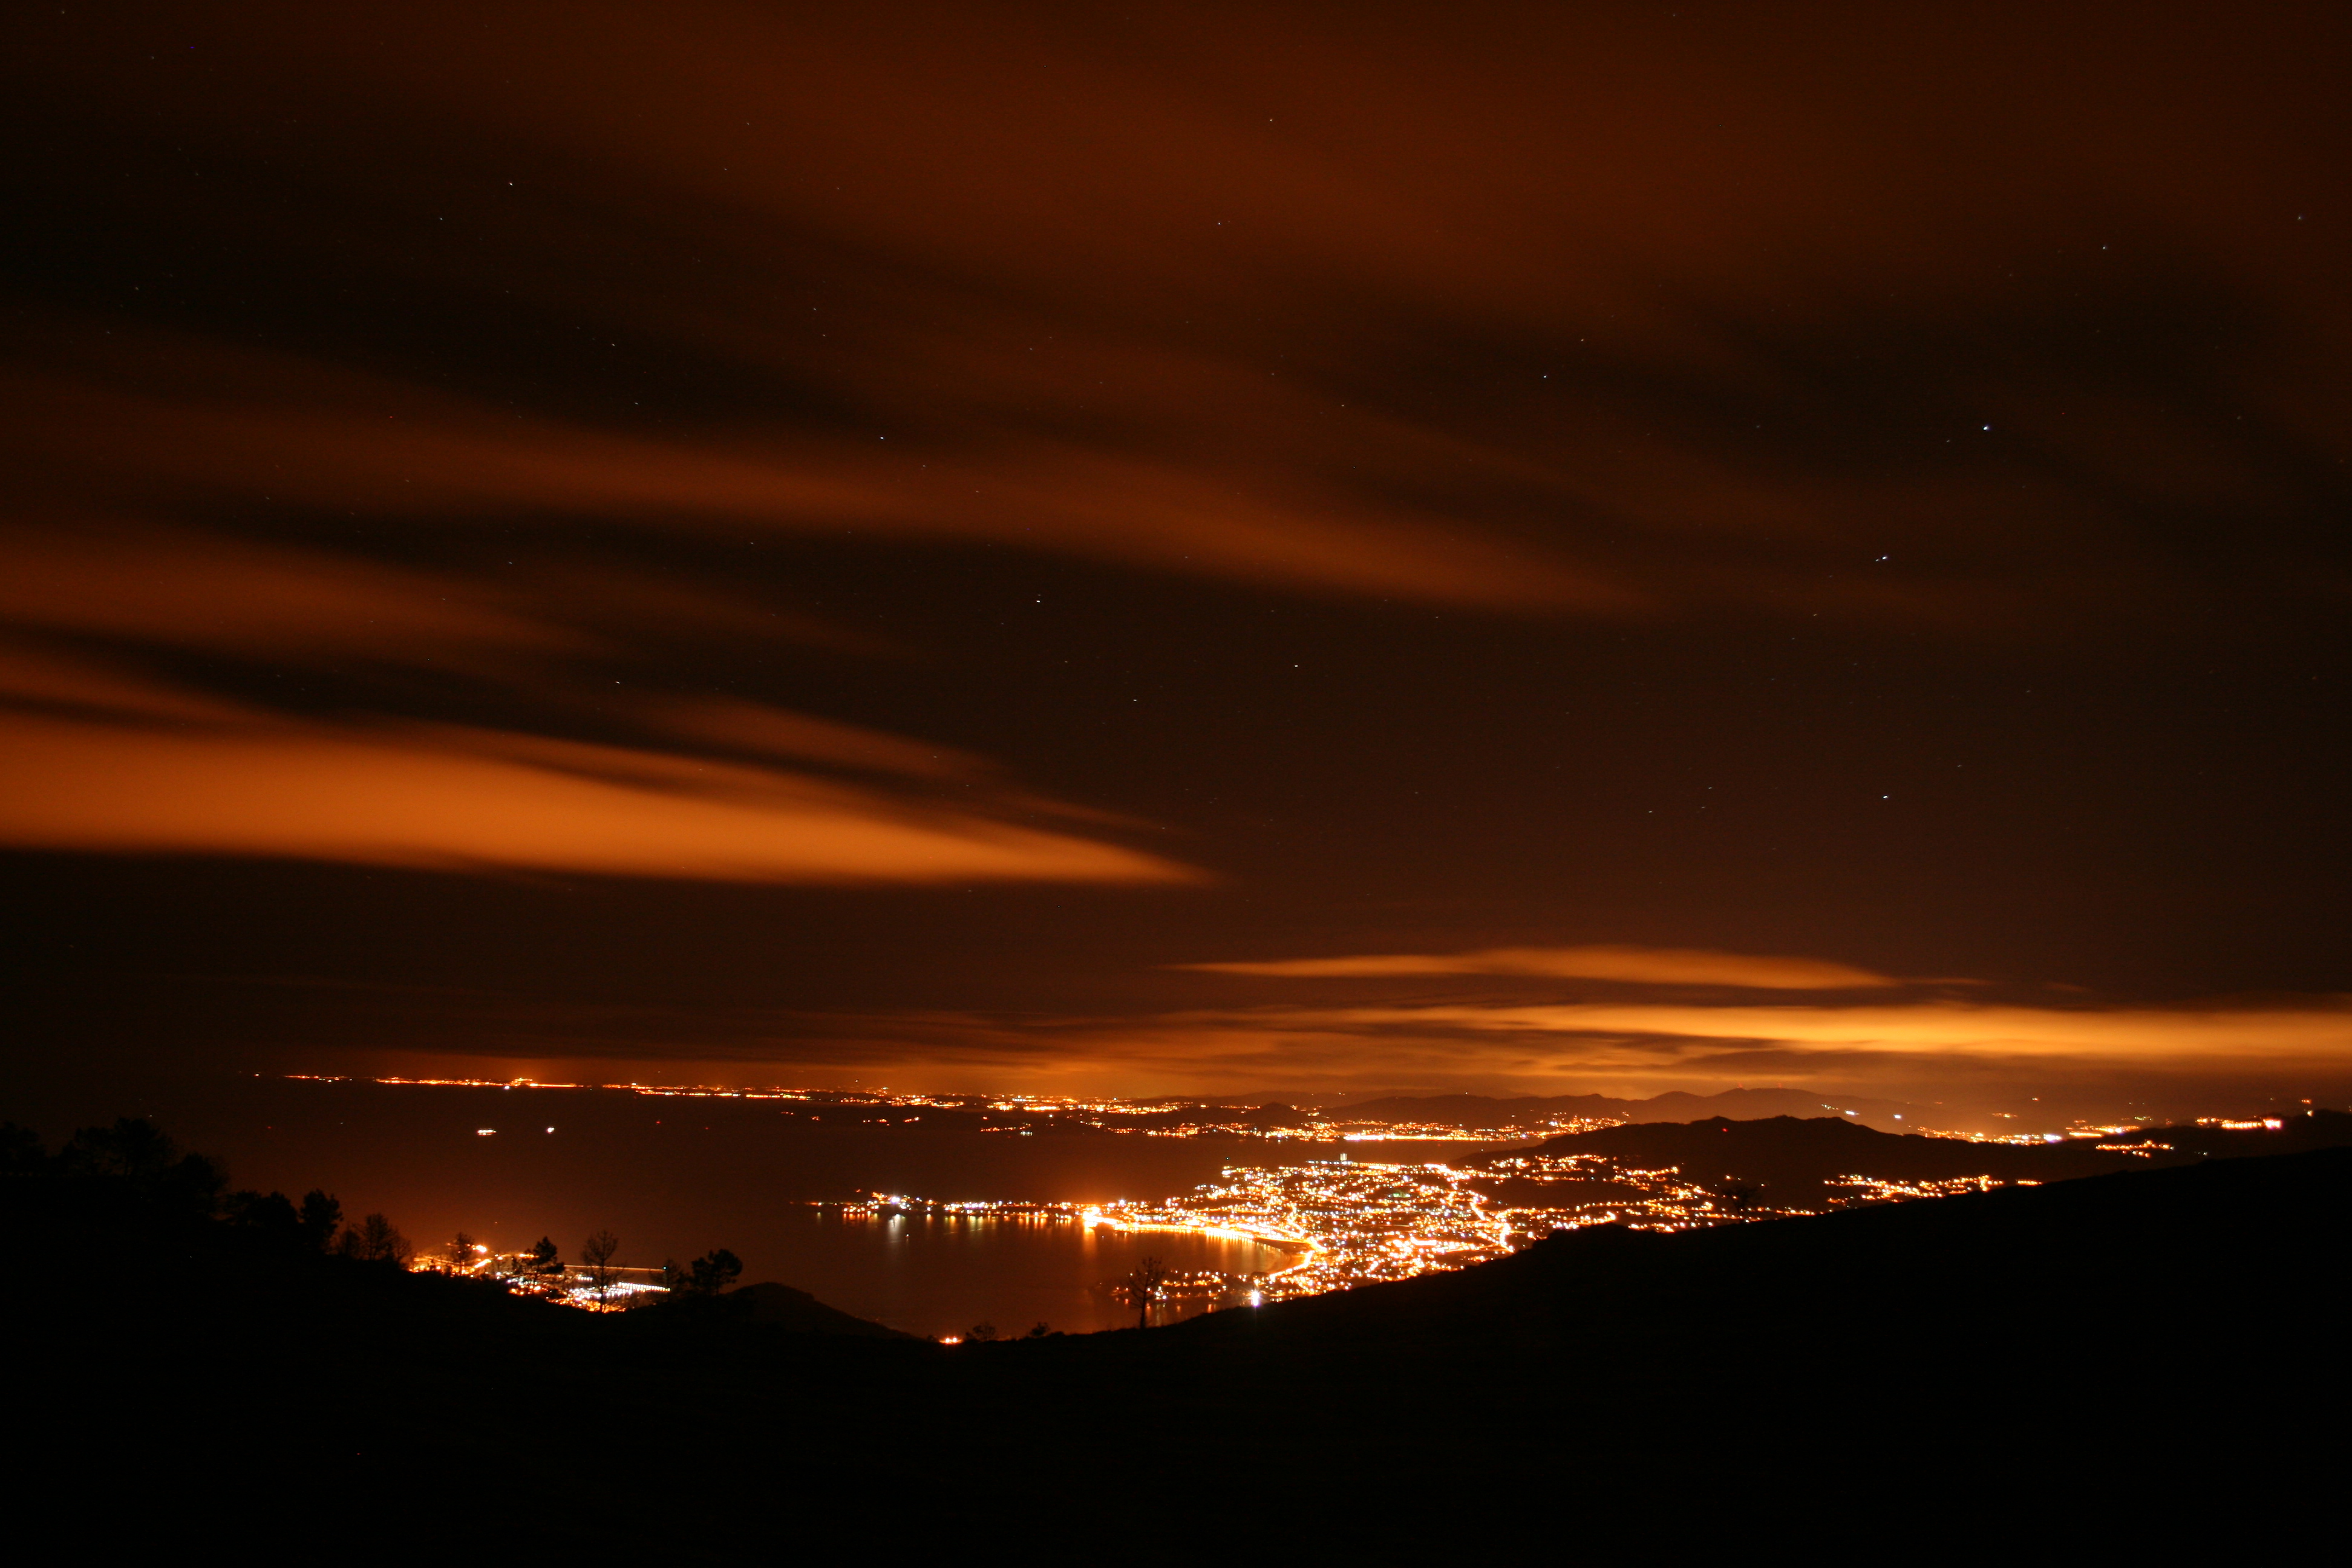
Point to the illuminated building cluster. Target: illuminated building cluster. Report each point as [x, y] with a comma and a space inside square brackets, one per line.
[1338, 1124]
[1636, 1198]
[1342, 1222]
[621, 1286]
[1859, 1189]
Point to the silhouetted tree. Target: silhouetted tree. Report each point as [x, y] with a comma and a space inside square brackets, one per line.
[545, 1258]
[1141, 1288]
[133, 1147]
[714, 1273]
[1038, 1330]
[193, 1184]
[20, 1149]
[1735, 1195]
[981, 1333]
[270, 1214]
[375, 1241]
[596, 1252]
[321, 1214]
[461, 1253]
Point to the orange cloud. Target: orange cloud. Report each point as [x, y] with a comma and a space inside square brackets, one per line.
[96, 760]
[1556, 1050]
[1639, 965]
[758, 730]
[1620, 1038]
[301, 433]
[1577, 311]
[185, 588]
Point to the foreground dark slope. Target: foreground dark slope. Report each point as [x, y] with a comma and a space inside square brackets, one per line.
[2158, 1340]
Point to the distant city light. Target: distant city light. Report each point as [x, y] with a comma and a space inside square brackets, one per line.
[1339, 1220]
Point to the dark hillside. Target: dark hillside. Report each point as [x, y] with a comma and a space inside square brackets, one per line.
[2149, 1345]
[1537, 1110]
[1786, 1160]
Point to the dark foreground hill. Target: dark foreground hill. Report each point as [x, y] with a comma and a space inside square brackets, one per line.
[2118, 1354]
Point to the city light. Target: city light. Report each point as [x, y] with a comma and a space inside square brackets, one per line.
[1330, 1222]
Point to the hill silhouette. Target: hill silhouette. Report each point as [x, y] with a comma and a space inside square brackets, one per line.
[766, 1305]
[1786, 1160]
[1536, 1111]
[1783, 1162]
[2144, 1346]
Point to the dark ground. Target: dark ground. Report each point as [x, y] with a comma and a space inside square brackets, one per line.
[2158, 1350]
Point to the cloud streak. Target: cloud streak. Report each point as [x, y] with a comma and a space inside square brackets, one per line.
[2003, 1051]
[1636, 965]
[1594, 1032]
[1577, 1048]
[1092, 307]
[178, 587]
[307, 433]
[99, 760]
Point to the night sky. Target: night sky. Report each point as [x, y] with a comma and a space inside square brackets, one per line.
[1180, 549]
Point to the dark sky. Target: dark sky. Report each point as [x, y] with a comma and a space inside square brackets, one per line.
[1179, 547]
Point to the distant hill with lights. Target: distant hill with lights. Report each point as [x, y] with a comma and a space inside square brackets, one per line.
[1783, 1162]
[1538, 1112]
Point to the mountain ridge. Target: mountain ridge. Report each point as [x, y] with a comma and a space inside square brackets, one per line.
[1469, 1111]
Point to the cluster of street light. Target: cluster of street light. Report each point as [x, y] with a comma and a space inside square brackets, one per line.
[1339, 1222]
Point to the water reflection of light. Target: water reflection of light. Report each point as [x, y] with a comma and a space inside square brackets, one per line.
[1015, 1264]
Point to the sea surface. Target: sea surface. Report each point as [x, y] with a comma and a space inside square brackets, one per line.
[674, 1177]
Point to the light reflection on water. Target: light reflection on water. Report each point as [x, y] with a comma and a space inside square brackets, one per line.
[941, 1275]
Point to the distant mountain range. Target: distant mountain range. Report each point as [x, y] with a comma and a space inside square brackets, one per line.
[1784, 1161]
[1469, 1111]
